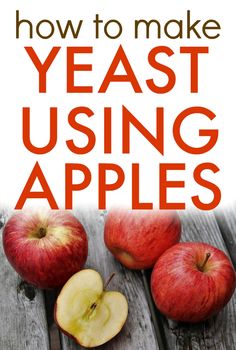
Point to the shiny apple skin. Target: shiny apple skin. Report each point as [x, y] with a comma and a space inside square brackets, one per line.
[138, 238]
[184, 293]
[46, 262]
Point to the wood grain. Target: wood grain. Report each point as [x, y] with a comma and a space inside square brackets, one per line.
[138, 332]
[219, 333]
[23, 323]
[227, 223]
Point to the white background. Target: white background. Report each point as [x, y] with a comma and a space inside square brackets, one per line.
[19, 88]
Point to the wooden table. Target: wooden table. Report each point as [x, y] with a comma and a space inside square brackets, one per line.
[26, 321]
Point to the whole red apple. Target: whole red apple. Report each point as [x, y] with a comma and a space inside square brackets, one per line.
[45, 248]
[192, 282]
[138, 238]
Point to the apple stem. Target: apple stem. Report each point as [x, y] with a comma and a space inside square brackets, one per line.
[95, 304]
[201, 267]
[109, 280]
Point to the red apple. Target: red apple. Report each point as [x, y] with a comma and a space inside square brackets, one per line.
[45, 248]
[138, 238]
[192, 282]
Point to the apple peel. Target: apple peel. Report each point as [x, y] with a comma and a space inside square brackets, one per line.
[88, 313]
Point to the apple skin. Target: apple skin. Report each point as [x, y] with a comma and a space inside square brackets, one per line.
[45, 248]
[138, 238]
[182, 291]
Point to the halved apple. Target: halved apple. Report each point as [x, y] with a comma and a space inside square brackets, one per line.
[87, 312]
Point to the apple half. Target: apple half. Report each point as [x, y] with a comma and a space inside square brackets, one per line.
[88, 313]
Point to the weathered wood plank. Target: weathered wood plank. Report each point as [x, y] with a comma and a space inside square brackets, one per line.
[227, 223]
[23, 320]
[138, 331]
[218, 333]
[54, 334]
[157, 317]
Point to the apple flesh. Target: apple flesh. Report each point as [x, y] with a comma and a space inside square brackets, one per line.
[192, 282]
[45, 248]
[138, 238]
[88, 313]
